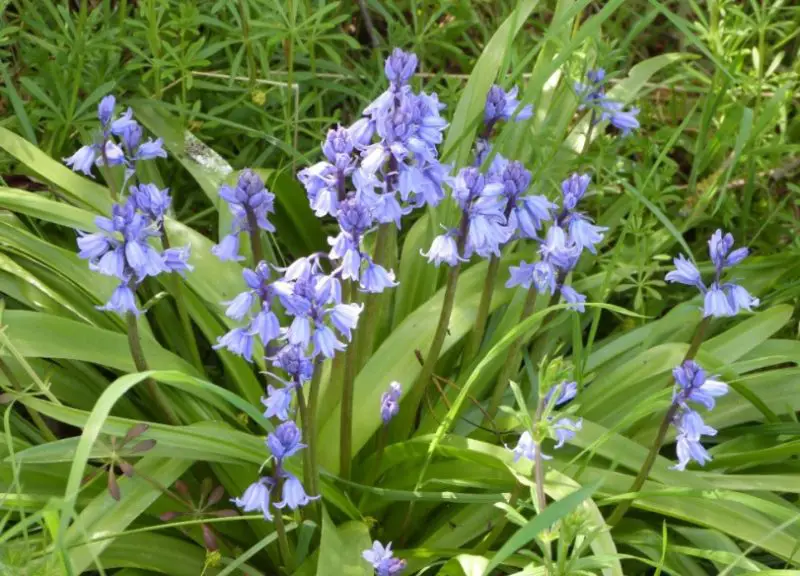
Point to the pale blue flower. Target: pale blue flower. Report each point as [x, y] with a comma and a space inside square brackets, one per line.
[122, 301]
[390, 402]
[564, 430]
[382, 560]
[83, 159]
[344, 317]
[257, 497]
[527, 448]
[400, 67]
[376, 278]
[585, 234]
[716, 303]
[444, 249]
[294, 495]
[573, 189]
[501, 105]
[277, 403]
[238, 341]
[105, 110]
[228, 248]
[285, 441]
[574, 299]
[564, 391]
[685, 273]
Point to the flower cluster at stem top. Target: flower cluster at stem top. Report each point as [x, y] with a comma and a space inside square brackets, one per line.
[124, 247]
[593, 95]
[382, 559]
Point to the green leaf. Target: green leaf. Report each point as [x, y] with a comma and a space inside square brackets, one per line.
[80, 189]
[341, 547]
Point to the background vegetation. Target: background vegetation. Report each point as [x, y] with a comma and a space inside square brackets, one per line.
[231, 84]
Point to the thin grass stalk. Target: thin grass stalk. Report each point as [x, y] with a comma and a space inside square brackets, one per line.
[655, 448]
[36, 418]
[135, 345]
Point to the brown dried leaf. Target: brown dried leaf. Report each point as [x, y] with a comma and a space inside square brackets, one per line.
[143, 446]
[216, 495]
[209, 538]
[126, 468]
[135, 431]
[113, 486]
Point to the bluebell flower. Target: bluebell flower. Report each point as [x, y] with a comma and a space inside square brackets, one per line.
[444, 249]
[285, 441]
[559, 250]
[83, 160]
[293, 360]
[573, 189]
[325, 341]
[501, 105]
[105, 110]
[265, 324]
[390, 402]
[526, 448]
[593, 91]
[585, 234]
[528, 214]
[177, 259]
[716, 302]
[400, 67]
[240, 306]
[257, 497]
[250, 203]
[361, 131]
[294, 495]
[693, 385]
[575, 300]
[593, 95]
[238, 341]
[689, 449]
[685, 273]
[564, 392]
[382, 560]
[564, 430]
[122, 301]
[123, 123]
[376, 278]
[345, 318]
[521, 275]
[228, 248]
[131, 137]
[151, 200]
[277, 403]
[623, 120]
[739, 298]
[150, 150]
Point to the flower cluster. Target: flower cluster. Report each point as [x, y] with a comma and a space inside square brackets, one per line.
[692, 385]
[593, 95]
[282, 443]
[562, 428]
[720, 298]
[250, 203]
[118, 143]
[378, 170]
[570, 233]
[122, 248]
[383, 560]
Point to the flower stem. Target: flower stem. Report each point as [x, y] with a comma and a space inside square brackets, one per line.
[135, 345]
[408, 410]
[365, 336]
[283, 543]
[255, 238]
[512, 359]
[475, 338]
[183, 313]
[313, 399]
[346, 420]
[644, 471]
[308, 440]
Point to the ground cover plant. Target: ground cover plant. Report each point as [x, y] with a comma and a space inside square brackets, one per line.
[424, 288]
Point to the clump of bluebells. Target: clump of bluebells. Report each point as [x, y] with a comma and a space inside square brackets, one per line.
[124, 246]
[119, 142]
[282, 443]
[382, 559]
[720, 299]
[593, 96]
[378, 170]
[494, 206]
[569, 234]
[250, 204]
[693, 385]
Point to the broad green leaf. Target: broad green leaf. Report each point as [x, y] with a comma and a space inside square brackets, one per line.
[79, 189]
[341, 547]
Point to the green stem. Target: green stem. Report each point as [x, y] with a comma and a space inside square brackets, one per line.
[183, 313]
[512, 357]
[308, 440]
[409, 408]
[135, 345]
[346, 420]
[538, 462]
[255, 238]
[365, 336]
[501, 523]
[35, 416]
[644, 471]
[313, 400]
[283, 543]
[474, 342]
